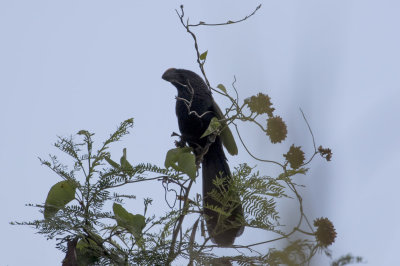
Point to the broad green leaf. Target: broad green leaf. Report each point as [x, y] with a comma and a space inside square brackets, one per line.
[59, 196]
[226, 134]
[187, 164]
[212, 127]
[183, 160]
[111, 162]
[203, 56]
[221, 87]
[133, 223]
[171, 158]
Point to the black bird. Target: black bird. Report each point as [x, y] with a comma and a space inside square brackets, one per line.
[195, 107]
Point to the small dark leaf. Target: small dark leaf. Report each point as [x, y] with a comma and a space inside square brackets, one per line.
[325, 153]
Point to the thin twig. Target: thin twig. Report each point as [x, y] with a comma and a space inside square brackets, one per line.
[309, 128]
[201, 23]
[248, 151]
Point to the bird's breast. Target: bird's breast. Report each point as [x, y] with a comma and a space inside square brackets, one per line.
[193, 119]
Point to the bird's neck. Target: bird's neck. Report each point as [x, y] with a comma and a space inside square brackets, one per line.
[184, 92]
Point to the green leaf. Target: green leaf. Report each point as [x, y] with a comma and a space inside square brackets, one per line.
[111, 162]
[212, 127]
[187, 163]
[290, 173]
[133, 223]
[172, 157]
[59, 196]
[203, 56]
[226, 135]
[183, 160]
[125, 165]
[83, 132]
[221, 87]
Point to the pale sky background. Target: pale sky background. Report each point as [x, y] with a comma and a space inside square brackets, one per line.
[72, 65]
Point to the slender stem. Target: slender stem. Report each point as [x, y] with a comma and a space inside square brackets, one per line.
[172, 255]
[226, 23]
[248, 151]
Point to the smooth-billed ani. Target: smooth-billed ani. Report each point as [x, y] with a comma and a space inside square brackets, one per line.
[195, 107]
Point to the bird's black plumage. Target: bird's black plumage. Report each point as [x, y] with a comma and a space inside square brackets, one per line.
[195, 107]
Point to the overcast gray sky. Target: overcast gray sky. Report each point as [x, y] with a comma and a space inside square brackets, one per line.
[72, 65]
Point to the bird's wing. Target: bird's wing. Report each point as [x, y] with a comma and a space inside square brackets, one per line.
[226, 134]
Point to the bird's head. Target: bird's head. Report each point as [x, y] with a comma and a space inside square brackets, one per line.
[182, 77]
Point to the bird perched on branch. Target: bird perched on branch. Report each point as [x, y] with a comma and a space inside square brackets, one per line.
[195, 107]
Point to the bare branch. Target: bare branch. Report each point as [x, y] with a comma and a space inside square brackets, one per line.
[201, 23]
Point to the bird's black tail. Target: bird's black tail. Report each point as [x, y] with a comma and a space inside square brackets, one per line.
[222, 229]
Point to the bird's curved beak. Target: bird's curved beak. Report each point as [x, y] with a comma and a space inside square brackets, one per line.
[169, 74]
